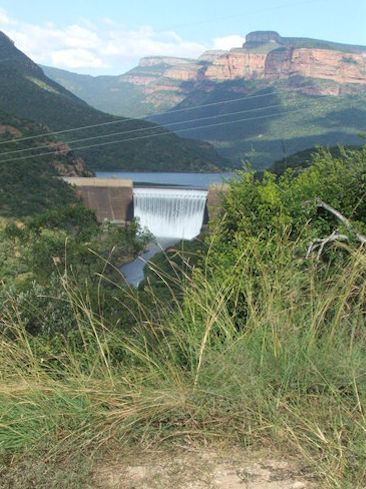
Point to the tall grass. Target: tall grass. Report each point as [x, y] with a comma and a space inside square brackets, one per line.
[287, 369]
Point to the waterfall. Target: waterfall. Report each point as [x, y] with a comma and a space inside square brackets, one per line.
[170, 213]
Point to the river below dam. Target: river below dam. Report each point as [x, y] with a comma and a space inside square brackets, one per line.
[170, 205]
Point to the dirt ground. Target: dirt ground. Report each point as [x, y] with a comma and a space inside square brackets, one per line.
[204, 469]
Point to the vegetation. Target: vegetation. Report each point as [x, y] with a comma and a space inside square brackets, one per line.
[298, 113]
[28, 93]
[261, 346]
[281, 120]
[110, 93]
[38, 253]
[303, 159]
[32, 185]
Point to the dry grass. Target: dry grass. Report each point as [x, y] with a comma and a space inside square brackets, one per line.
[290, 372]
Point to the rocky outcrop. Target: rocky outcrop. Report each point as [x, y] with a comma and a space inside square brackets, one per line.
[316, 63]
[254, 39]
[264, 56]
[237, 63]
[12, 131]
[140, 79]
[70, 165]
[186, 72]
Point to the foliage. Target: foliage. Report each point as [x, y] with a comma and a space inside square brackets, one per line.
[31, 185]
[303, 159]
[274, 205]
[283, 117]
[36, 255]
[293, 374]
[261, 346]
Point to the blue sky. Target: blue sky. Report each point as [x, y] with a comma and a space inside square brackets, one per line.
[108, 37]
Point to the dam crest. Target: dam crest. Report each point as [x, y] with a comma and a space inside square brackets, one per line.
[167, 212]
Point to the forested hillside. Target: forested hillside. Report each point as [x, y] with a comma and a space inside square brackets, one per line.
[32, 184]
[266, 123]
[25, 91]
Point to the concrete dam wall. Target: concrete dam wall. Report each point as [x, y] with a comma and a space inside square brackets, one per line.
[113, 199]
[110, 198]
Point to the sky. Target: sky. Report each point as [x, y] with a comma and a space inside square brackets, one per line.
[110, 36]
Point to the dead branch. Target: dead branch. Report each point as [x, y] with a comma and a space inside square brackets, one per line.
[320, 243]
[341, 218]
[335, 236]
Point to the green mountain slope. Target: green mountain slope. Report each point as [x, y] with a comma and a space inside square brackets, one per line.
[303, 159]
[280, 121]
[28, 93]
[109, 94]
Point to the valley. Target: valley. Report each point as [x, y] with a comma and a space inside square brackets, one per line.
[182, 246]
[289, 94]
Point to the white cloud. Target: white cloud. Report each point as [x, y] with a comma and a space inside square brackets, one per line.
[145, 41]
[81, 37]
[75, 58]
[228, 42]
[86, 46]
[106, 47]
[4, 18]
[73, 46]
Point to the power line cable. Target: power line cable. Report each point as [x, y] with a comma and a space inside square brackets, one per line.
[151, 136]
[103, 136]
[172, 112]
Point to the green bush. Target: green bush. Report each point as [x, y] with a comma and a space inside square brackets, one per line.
[263, 346]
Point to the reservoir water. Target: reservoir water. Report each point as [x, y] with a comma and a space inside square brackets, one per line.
[188, 180]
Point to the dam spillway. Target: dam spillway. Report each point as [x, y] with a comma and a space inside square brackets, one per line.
[170, 213]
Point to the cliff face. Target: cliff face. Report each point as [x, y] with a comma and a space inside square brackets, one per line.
[238, 63]
[311, 66]
[279, 63]
[264, 56]
[186, 72]
[316, 63]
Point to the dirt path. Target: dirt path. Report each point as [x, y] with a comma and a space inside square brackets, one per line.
[204, 469]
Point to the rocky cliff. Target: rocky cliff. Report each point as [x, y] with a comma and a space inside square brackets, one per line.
[238, 63]
[264, 56]
[161, 82]
[340, 67]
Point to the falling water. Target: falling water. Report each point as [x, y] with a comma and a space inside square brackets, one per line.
[170, 213]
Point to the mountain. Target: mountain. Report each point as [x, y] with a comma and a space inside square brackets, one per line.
[301, 160]
[26, 92]
[294, 92]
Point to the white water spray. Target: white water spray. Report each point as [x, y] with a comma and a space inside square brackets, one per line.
[170, 213]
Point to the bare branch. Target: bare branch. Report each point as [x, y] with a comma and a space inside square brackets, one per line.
[341, 218]
[320, 243]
